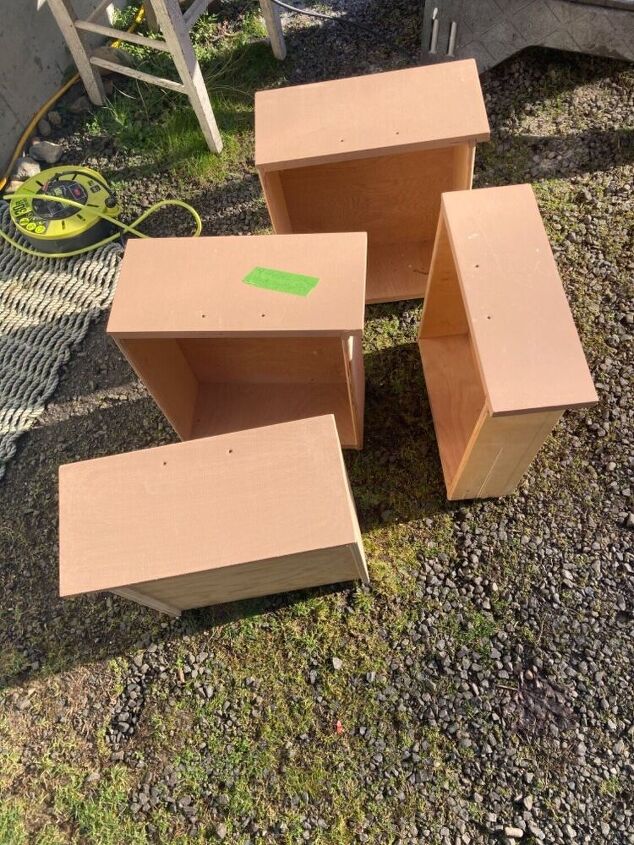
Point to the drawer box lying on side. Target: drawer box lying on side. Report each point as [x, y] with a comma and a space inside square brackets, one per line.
[212, 520]
[372, 154]
[219, 355]
[501, 354]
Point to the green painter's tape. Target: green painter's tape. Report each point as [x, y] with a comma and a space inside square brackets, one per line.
[281, 281]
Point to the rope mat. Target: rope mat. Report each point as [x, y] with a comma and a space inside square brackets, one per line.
[46, 306]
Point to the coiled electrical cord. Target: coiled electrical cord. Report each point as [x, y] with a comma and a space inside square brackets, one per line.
[130, 228]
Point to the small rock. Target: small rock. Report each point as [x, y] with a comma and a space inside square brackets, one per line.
[221, 831]
[337, 663]
[46, 151]
[44, 128]
[80, 105]
[13, 186]
[93, 777]
[54, 118]
[513, 832]
[112, 54]
[25, 167]
[528, 802]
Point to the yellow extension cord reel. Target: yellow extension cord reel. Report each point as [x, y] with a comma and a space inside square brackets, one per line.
[66, 210]
[55, 226]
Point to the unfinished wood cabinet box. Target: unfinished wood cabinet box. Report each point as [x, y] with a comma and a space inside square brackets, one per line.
[212, 520]
[500, 351]
[220, 355]
[373, 154]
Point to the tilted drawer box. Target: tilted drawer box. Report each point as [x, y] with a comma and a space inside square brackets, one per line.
[500, 351]
[373, 154]
[212, 520]
[219, 355]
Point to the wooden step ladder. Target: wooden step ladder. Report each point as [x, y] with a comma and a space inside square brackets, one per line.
[174, 25]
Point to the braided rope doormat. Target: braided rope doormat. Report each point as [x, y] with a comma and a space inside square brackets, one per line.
[46, 306]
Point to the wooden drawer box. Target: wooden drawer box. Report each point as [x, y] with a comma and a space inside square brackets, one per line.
[373, 154]
[500, 351]
[212, 520]
[220, 355]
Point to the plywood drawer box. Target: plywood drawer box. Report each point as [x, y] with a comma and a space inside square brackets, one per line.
[220, 355]
[373, 154]
[212, 520]
[500, 351]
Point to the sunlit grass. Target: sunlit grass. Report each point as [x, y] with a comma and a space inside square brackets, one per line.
[159, 129]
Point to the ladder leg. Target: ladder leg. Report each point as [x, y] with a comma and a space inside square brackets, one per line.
[150, 18]
[170, 20]
[273, 21]
[64, 14]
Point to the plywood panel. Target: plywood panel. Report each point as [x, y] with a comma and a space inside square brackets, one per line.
[455, 394]
[395, 199]
[146, 601]
[260, 578]
[371, 154]
[201, 505]
[397, 271]
[276, 202]
[500, 352]
[278, 360]
[443, 311]
[391, 112]
[222, 408]
[500, 453]
[176, 287]
[161, 366]
[526, 342]
[464, 160]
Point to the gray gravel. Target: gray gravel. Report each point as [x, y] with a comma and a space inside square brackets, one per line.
[501, 707]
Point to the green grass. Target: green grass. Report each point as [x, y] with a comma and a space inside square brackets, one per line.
[50, 835]
[99, 816]
[610, 787]
[12, 829]
[159, 130]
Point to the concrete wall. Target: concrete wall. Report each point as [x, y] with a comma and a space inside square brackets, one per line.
[33, 62]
